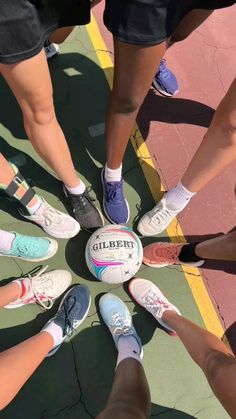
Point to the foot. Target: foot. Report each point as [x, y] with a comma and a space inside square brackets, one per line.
[118, 319]
[53, 222]
[42, 288]
[160, 254]
[157, 220]
[51, 50]
[85, 212]
[71, 313]
[34, 249]
[151, 298]
[115, 205]
[165, 81]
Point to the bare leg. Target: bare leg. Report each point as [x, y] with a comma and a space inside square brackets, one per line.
[189, 23]
[134, 70]
[59, 36]
[31, 84]
[213, 357]
[130, 396]
[218, 149]
[219, 248]
[9, 293]
[23, 358]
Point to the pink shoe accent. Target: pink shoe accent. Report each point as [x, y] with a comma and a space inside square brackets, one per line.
[161, 254]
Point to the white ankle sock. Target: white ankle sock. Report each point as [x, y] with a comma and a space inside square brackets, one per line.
[77, 190]
[55, 331]
[178, 197]
[6, 240]
[34, 208]
[128, 347]
[113, 175]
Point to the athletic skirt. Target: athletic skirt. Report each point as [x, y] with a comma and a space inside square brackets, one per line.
[150, 22]
[26, 24]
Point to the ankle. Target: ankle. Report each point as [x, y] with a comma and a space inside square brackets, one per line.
[78, 189]
[113, 175]
[170, 317]
[178, 197]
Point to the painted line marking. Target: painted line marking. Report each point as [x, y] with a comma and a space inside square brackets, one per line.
[197, 286]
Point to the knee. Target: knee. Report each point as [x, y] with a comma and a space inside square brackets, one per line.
[42, 112]
[126, 105]
[215, 364]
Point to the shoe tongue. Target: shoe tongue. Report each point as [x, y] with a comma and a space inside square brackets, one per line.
[25, 287]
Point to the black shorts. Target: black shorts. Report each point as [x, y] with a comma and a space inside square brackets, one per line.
[150, 22]
[26, 24]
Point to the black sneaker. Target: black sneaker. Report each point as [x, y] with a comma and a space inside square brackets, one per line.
[84, 210]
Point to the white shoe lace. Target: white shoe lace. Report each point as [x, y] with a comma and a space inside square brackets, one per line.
[158, 216]
[154, 304]
[44, 290]
[51, 215]
[120, 326]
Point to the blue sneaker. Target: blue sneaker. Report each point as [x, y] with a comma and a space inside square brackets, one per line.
[165, 81]
[117, 317]
[115, 205]
[34, 249]
[71, 313]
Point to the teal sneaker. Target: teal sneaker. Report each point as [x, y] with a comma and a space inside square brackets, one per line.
[71, 313]
[117, 317]
[34, 249]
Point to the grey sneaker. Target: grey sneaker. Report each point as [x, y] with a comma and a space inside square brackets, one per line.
[53, 222]
[71, 313]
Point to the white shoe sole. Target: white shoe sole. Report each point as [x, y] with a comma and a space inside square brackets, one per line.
[163, 92]
[50, 254]
[153, 265]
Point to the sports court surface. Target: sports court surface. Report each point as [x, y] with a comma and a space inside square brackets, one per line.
[74, 384]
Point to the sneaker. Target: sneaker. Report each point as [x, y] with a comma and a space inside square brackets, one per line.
[51, 50]
[84, 210]
[151, 298]
[160, 254]
[165, 81]
[115, 205]
[33, 249]
[42, 288]
[117, 317]
[157, 220]
[53, 222]
[71, 313]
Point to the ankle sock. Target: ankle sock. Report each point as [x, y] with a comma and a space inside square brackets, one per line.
[77, 190]
[128, 347]
[178, 197]
[188, 254]
[113, 175]
[6, 239]
[55, 331]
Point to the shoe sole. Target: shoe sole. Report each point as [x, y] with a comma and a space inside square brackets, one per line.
[53, 351]
[155, 265]
[104, 209]
[98, 210]
[163, 92]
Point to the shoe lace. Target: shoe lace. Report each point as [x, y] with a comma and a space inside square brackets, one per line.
[154, 303]
[69, 306]
[43, 291]
[163, 70]
[113, 190]
[83, 199]
[168, 252]
[25, 248]
[160, 215]
[120, 326]
[51, 215]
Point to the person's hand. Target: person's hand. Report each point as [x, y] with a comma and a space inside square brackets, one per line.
[95, 2]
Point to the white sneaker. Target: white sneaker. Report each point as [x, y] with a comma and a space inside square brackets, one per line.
[53, 222]
[157, 220]
[151, 298]
[51, 50]
[42, 288]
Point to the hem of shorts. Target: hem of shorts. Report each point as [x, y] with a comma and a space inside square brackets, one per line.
[30, 53]
[141, 41]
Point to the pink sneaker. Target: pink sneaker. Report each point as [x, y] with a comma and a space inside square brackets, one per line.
[161, 254]
[151, 298]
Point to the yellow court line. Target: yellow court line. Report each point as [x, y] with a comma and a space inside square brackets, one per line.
[192, 275]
